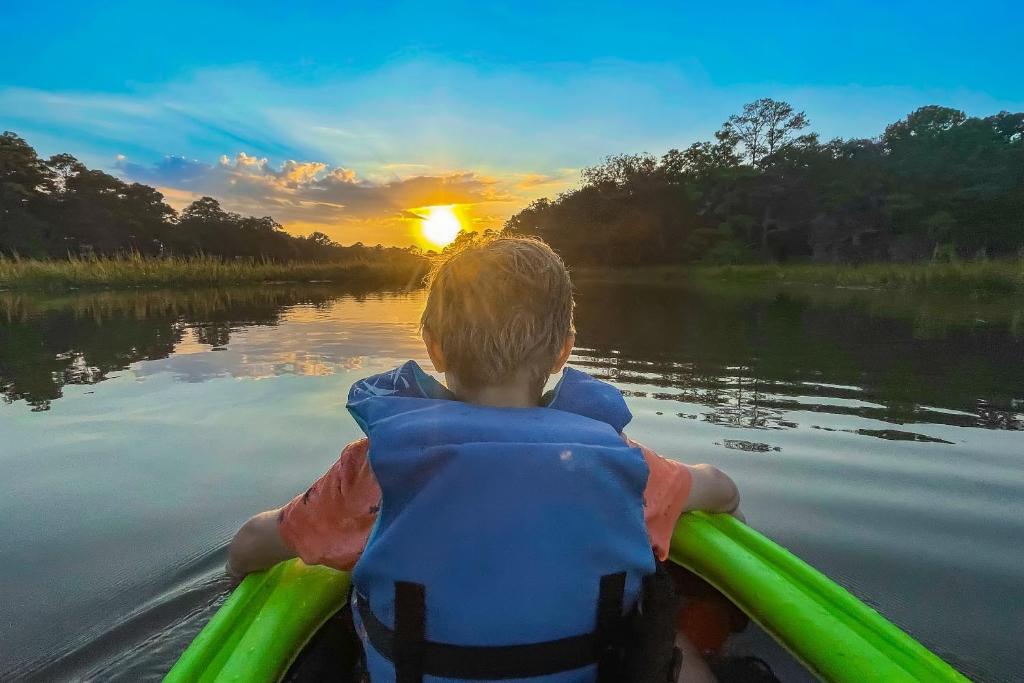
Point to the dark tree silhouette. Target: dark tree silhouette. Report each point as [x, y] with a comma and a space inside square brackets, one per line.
[59, 208]
[23, 177]
[937, 184]
[765, 127]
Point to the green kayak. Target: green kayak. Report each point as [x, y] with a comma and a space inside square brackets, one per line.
[267, 621]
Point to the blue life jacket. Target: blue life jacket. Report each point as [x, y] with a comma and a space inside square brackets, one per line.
[510, 542]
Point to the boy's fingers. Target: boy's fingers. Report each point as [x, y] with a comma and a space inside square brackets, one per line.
[234, 576]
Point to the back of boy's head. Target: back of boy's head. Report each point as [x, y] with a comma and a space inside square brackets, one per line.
[499, 308]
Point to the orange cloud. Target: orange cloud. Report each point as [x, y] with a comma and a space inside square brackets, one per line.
[560, 180]
[310, 195]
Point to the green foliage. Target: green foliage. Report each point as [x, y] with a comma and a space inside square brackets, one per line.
[937, 184]
[727, 251]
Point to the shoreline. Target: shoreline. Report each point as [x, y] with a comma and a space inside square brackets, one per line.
[984, 278]
[974, 278]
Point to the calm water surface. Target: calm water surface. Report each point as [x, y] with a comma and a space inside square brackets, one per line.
[878, 436]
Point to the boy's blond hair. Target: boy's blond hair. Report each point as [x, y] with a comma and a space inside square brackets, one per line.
[500, 307]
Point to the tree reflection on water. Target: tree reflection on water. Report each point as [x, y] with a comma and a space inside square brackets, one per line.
[747, 359]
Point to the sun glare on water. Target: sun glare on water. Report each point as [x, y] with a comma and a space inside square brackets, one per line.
[440, 225]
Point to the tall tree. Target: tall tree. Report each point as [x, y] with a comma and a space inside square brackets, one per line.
[765, 127]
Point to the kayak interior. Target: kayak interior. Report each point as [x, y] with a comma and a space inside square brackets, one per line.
[334, 653]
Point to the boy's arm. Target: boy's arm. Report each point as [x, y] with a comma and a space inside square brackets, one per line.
[328, 524]
[257, 545]
[674, 488]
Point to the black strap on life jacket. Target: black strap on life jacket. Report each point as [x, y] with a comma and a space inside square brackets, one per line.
[414, 656]
[610, 623]
[650, 653]
[410, 637]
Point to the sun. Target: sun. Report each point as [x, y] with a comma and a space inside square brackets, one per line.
[440, 225]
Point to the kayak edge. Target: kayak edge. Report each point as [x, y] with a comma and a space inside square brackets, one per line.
[263, 625]
[831, 632]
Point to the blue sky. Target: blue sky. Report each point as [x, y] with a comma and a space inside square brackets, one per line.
[345, 117]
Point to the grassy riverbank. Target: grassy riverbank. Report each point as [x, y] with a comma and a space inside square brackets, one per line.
[988, 278]
[137, 271]
[977, 278]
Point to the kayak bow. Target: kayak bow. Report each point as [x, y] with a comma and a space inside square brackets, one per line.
[264, 624]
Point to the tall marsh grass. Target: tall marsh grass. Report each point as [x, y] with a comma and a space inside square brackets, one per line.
[977, 278]
[134, 270]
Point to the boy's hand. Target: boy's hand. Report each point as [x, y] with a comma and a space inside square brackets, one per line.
[257, 545]
[712, 490]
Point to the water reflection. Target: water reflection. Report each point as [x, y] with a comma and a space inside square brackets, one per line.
[750, 359]
[47, 343]
[755, 358]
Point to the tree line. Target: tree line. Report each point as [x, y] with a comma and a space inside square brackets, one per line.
[57, 207]
[935, 185]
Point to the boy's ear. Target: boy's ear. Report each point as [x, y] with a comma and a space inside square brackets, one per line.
[563, 354]
[434, 351]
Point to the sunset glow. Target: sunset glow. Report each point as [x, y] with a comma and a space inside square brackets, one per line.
[484, 115]
[440, 225]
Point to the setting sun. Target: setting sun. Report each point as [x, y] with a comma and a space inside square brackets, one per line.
[440, 225]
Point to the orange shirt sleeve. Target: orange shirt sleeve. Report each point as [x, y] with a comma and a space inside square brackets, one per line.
[330, 523]
[668, 487]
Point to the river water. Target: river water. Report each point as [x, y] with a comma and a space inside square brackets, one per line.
[878, 436]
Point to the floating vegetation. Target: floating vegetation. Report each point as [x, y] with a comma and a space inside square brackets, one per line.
[747, 446]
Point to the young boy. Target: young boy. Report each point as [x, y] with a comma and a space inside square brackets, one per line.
[485, 524]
